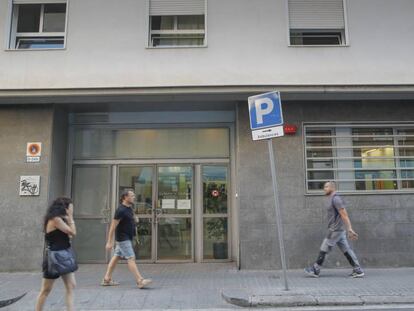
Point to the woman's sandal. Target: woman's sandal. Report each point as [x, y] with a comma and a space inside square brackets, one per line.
[143, 282]
[109, 283]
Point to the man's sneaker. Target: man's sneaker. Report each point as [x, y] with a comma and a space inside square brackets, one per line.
[357, 273]
[313, 271]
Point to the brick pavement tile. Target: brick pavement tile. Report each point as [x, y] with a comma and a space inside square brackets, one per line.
[199, 286]
[339, 301]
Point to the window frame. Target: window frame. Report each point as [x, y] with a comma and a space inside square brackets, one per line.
[317, 32]
[13, 35]
[148, 43]
[345, 31]
[176, 31]
[398, 168]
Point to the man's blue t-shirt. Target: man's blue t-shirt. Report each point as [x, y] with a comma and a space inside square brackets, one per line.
[126, 227]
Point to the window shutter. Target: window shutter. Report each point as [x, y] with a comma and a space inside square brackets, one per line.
[38, 1]
[316, 14]
[177, 7]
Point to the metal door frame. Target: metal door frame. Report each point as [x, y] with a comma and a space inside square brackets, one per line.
[228, 215]
[196, 217]
[153, 217]
[191, 217]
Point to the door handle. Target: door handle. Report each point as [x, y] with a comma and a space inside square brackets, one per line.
[106, 215]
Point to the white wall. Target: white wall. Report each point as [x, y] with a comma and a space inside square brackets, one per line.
[247, 45]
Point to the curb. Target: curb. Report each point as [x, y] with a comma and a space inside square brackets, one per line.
[7, 302]
[243, 299]
[238, 298]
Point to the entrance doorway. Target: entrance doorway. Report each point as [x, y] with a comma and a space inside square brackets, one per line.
[165, 209]
[182, 210]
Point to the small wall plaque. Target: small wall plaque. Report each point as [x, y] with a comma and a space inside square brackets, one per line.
[29, 185]
[33, 152]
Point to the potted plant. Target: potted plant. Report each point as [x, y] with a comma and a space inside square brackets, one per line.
[217, 231]
[215, 201]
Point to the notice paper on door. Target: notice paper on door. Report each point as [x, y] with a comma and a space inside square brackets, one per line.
[183, 204]
[168, 203]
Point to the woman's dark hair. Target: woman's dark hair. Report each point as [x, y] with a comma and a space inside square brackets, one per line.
[64, 201]
[56, 209]
[124, 194]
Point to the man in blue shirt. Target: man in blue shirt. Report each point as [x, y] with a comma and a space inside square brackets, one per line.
[123, 225]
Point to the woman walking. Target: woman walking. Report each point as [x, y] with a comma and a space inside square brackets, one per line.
[59, 227]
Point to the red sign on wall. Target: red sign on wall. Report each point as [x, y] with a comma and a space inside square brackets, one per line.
[33, 152]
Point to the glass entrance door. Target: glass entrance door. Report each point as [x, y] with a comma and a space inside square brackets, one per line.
[91, 197]
[164, 209]
[174, 214]
[140, 179]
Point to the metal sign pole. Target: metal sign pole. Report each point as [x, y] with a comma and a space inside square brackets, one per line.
[277, 209]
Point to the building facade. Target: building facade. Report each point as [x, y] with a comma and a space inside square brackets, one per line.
[151, 95]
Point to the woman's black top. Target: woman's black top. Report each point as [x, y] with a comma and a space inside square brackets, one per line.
[57, 240]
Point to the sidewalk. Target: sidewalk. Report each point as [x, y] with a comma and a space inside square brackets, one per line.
[201, 286]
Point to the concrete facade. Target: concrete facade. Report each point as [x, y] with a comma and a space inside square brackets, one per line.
[21, 240]
[385, 222]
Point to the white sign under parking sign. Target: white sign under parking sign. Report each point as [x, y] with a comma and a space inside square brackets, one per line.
[268, 133]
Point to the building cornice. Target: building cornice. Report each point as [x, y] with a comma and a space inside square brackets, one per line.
[182, 93]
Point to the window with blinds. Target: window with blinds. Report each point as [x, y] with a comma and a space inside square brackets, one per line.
[177, 23]
[359, 158]
[317, 22]
[38, 24]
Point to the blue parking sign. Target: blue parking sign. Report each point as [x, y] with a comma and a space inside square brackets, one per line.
[265, 110]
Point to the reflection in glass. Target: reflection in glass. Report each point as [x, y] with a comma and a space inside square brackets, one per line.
[177, 39]
[316, 138]
[215, 245]
[377, 175]
[175, 185]
[142, 242]
[139, 179]
[162, 22]
[375, 147]
[29, 18]
[152, 143]
[54, 17]
[406, 149]
[90, 191]
[215, 189]
[90, 240]
[190, 22]
[174, 239]
[39, 43]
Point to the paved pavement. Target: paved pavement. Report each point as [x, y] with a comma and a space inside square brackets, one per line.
[200, 286]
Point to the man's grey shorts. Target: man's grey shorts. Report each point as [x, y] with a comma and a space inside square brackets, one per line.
[124, 249]
[335, 238]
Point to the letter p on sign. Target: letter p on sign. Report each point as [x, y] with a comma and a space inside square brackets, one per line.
[265, 110]
[263, 107]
